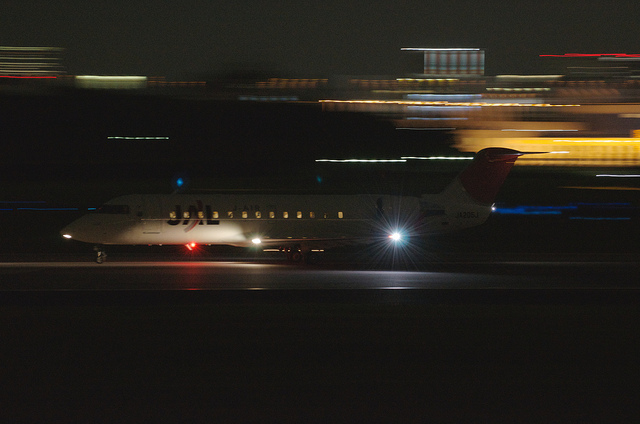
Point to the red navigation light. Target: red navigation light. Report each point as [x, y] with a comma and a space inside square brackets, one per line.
[191, 245]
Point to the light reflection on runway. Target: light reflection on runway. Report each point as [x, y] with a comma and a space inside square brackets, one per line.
[207, 275]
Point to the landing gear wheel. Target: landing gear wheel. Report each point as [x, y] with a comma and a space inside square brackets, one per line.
[101, 255]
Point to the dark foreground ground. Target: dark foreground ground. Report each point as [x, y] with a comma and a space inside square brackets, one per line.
[321, 356]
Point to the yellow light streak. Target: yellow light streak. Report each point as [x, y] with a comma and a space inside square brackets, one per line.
[444, 103]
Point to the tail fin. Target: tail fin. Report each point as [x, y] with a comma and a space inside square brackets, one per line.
[486, 174]
[466, 202]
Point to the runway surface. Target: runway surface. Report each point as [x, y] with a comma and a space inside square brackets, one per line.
[248, 275]
[240, 341]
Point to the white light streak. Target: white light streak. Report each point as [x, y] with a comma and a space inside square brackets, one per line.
[445, 49]
[438, 157]
[111, 78]
[444, 103]
[361, 160]
[427, 79]
[518, 89]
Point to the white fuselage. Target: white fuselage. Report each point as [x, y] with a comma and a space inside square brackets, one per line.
[241, 220]
[297, 222]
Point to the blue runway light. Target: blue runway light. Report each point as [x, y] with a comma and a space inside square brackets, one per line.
[579, 210]
[533, 210]
[180, 181]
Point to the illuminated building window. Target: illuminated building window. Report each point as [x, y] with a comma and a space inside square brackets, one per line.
[299, 214]
[272, 214]
[216, 215]
[172, 215]
[340, 215]
[200, 215]
[285, 214]
[258, 214]
[245, 214]
[230, 214]
[186, 215]
[312, 215]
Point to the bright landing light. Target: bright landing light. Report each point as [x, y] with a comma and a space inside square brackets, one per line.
[67, 236]
[395, 236]
[256, 241]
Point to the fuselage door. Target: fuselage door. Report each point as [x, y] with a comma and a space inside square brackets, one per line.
[151, 215]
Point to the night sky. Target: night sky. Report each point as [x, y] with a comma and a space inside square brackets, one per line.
[305, 38]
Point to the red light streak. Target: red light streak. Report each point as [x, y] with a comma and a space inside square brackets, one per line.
[620, 55]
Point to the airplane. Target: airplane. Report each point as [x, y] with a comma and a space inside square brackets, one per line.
[299, 225]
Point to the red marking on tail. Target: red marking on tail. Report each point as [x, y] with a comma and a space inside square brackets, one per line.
[484, 177]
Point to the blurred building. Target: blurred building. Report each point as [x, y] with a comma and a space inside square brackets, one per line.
[448, 62]
[31, 61]
[126, 82]
[587, 112]
[594, 65]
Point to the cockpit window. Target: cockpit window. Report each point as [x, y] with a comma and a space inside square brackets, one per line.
[113, 209]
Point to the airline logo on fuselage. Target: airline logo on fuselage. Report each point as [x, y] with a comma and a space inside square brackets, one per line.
[199, 214]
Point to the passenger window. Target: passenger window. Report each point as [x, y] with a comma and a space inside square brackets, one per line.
[245, 214]
[230, 214]
[325, 215]
[285, 214]
[272, 214]
[186, 215]
[299, 214]
[216, 215]
[258, 214]
[340, 215]
[172, 215]
[200, 215]
[312, 215]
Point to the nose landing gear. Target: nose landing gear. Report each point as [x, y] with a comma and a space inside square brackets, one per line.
[101, 255]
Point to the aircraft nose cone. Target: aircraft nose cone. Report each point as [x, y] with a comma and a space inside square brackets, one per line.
[72, 230]
[66, 232]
